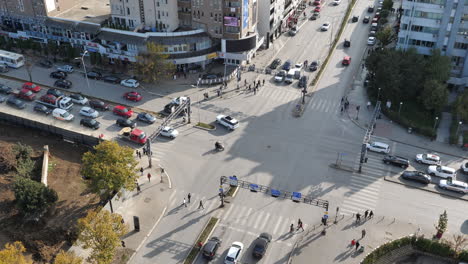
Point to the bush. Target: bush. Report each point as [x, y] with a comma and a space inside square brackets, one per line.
[25, 167]
[33, 197]
[463, 256]
[22, 151]
[405, 122]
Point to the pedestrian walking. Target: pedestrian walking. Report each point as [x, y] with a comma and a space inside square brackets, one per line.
[141, 170]
[300, 226]
[201, 205]
[149, 177]
[144, 151]
[342, 100]
[357, 245]
[371, 214]
[263, 82]
[249, 88]
[139, 154]
[366, 213]
[219, 92]
[188, 197]
[136, 152]
[123, 243]
[358, 217]
[342, 109]
[363, 233]
[138, 188]
[291, 228]
[185, 204]
[353, 242]
[245, 82]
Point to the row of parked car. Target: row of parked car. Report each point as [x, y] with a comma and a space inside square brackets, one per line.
[289, 72]
[434, 169]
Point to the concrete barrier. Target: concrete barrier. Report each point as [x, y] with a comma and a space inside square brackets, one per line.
[45, 165]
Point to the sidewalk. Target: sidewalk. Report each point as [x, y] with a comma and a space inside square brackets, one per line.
[149, 206]
[335, 245]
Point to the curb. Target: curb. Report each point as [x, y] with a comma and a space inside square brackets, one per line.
[424, 189]
[204, 128]
[341, 167]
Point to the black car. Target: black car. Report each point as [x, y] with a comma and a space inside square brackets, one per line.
[210, 247]
[123, 122]
[366, 19]
[58, 75]
[63, 83]
[302, 82]
[91, 123]
[111, 79]
[370, 9]
[42, 109]
[355, 19]
[287, 65]
[416, 176]
[261, 245]
[147, 118]
[15, 102]
[55, 92]
[170, 107]
[45, 64]
[274, 64]
[94, 75]
[397, 161]
[5, 89]
[98, 104]
[2, 99]
[313, 66]
[347, 43]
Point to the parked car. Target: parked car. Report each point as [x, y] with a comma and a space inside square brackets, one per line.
[5, 89]
[122, 111]
[91, 123]
[63, 83]
[346, 61]
[293, 31]
[372, 33]
[302, 82]
[15, 102]
[234, 253]
[227, 121]
[98, 104]
[371, 41]
[94, 75]
[261, 245]
[441, 171]
[370, 9]
[452, 185]
[170, 107]
[314, 65]
[169, 132]
[275, 63]
[355, 19]
[317, 9]
[397, 161]
[62, 114]
[210, 248]
[124, 122]
[89, 112]
[65, 68]
[179, 100]
[133, 96]
[429, 159]
[315, 15]
[464, 167]
[132, 83]
[147, 118]
[279, 77]
[78, 99]
[317, 2]
[58, 75]
[31, 86]
[45, 63]
[336, 2]
[287, 65]
[378, 147]
[42, 109]
[55, 92]
[416, 176]
[347, 43]
[366, 19]
[111, 79]
[325, 26]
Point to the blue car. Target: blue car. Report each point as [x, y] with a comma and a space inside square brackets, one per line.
[147, 118]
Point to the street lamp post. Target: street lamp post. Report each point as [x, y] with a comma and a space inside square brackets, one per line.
[399, 110]
[458, 127]
[435, 123]
[378, 94]
[84, 68]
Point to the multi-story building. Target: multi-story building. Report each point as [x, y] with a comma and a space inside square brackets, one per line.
[437, 24]
[270, 19]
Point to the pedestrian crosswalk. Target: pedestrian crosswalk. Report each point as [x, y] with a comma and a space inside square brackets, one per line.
[364, 187]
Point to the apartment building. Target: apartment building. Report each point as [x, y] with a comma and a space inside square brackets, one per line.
[437, 24]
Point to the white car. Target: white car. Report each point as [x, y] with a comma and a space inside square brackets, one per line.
[298, 65]
[227, 121]
[78, 99]
[234, 253]
[371, 41]
[132, 83]
[89, 112]
[325, 26]
[179, 100]
[279, 77]
[464, 167]
[378, 147]
[169, 132]
[62, 114]
[456, 186]
[65, 68]
[441, 171]
[429, 159]
[336, 2]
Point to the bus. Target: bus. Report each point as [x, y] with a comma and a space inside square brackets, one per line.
[11, 59]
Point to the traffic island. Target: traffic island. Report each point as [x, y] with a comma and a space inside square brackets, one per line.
[205, 126]
[207, 231]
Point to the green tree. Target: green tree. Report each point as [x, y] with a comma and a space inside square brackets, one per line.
[13, 254]
[461, 106]
[410, 67]
[434, 96]
[25, 167]
[33, 197]
[100, 231]
[437, 67]
[110, 167]
[385, 36]
[154, 64]
[441, 226]
[22, 151]
[53, 48]
[67, 258]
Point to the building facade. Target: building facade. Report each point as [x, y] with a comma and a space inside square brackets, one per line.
[437, 24]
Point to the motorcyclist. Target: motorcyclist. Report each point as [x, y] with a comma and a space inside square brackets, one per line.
[218, 145]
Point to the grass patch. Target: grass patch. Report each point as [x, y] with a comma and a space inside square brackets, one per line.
[200, 240]
[51, 166]
[231, 191]
[204, 125]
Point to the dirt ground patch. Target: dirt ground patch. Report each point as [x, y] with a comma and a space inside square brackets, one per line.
[55, 231]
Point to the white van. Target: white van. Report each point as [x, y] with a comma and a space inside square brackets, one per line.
[62, 114]
[290, 76]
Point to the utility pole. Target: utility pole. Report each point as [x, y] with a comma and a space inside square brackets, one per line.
[367, 136]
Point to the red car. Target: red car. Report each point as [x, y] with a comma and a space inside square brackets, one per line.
[317, 2]
[317, 8]
[346, 60]
[31, 86]
[133, 96]
[122, 111]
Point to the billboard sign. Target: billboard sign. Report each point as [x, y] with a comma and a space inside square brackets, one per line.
[245, 14]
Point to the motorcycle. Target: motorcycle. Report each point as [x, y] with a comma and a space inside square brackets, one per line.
[219, 146]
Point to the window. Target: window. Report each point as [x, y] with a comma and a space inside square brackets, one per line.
[128, 11]
[460, 45]
[416, 28]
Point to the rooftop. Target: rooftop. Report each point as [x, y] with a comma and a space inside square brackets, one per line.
[95, 11]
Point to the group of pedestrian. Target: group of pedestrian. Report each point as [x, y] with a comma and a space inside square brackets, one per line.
[368, 214]
[344, 104]
[300, 225]
[189, 196]
[138, 153]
